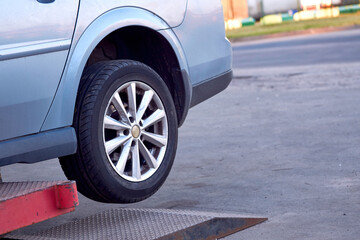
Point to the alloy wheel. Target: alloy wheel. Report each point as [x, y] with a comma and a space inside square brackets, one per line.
[135, 131]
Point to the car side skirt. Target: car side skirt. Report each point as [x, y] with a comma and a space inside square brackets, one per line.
[208, 88]
[38, 147]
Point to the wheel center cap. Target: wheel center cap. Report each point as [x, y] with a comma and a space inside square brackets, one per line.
[135, 131]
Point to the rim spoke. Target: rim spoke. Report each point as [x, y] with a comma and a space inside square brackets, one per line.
[144, 104]
[113, 144]
[155, 139]
[119, 106]
[131, 91]
[136, 173]
[135, 106]
[111, 123]
[149, 158]
[120, 165]
[154, 118]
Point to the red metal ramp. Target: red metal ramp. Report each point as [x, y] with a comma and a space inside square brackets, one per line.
[26, 203]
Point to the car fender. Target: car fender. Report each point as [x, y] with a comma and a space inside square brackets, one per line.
[62, 109]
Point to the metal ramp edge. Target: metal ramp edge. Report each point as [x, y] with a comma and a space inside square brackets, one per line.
[26, 203]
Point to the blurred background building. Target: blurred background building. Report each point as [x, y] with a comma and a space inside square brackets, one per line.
[234, 9]
[237, 9]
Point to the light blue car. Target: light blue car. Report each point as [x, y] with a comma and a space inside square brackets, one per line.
[105, 84]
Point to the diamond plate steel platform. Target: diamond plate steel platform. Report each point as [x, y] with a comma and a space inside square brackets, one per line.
[160, 224]
[11, 190]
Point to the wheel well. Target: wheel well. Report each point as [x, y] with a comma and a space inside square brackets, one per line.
[149, 47]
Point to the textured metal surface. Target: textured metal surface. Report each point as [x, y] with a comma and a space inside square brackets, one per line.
[128, 224]
[10, 190]
[213, 229]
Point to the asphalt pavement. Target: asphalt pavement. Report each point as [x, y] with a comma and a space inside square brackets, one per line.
[282, 141]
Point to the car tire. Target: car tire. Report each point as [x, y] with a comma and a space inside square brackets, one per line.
[126, 126]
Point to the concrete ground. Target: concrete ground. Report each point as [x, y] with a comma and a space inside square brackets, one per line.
[281, 142]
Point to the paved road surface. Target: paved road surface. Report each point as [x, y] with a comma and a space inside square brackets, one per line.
[301, 50]
[281, 142]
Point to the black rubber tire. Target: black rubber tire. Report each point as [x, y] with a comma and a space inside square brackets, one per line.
[89, 167]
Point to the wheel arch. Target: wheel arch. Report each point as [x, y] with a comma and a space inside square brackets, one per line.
[62, 109]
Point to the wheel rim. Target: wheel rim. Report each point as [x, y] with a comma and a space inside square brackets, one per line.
[135, 131]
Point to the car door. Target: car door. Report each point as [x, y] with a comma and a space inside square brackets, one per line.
[35, 37]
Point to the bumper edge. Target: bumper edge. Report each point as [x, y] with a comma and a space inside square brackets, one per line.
[210, 87]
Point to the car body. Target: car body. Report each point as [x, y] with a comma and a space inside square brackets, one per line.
[45, 45]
